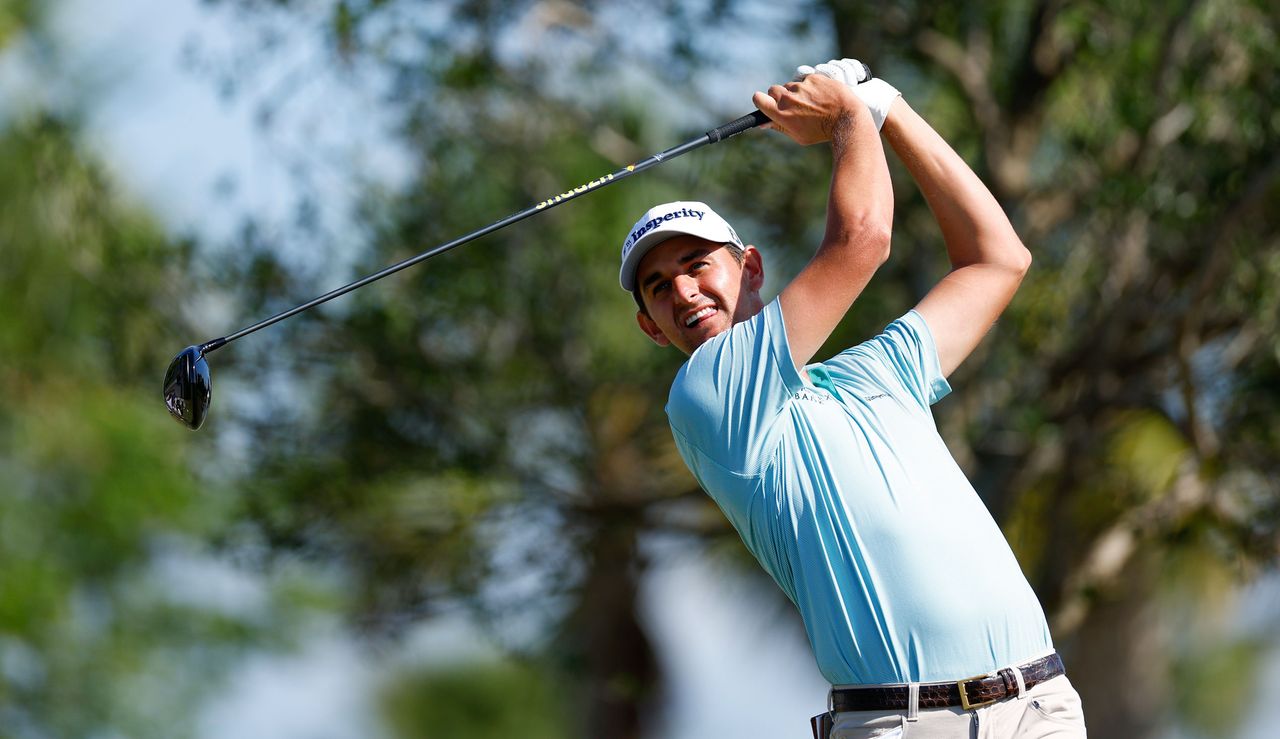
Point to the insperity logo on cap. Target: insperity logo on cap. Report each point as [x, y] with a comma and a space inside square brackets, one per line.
[662, 222]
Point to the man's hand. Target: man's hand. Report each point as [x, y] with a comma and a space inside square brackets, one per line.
[848, 71]
[808, 111]
[876, 93]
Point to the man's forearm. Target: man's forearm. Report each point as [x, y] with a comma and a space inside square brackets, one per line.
[859, 208]
[974, 226]
[860, 203]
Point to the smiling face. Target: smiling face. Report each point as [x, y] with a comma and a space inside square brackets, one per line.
[694, 289]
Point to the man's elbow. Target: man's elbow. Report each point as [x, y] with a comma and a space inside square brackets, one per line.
[866, 242]
[1021, 260]
[876, 240]
[1011, 257]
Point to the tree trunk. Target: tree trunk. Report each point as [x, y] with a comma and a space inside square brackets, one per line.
[1118, 659]
[610, 655]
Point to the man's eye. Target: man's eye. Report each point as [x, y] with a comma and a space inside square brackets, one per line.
[661, 287]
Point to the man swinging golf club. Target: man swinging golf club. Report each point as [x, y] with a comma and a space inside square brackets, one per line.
[833, 472]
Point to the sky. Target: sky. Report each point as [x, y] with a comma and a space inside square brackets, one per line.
[197, 158]
[193, 145]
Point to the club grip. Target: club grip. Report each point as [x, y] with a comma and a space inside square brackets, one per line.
[733, 128]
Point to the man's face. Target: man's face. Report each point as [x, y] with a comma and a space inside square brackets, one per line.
[694, 289]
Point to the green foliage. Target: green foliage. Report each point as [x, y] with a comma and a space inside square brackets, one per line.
[1131, 390]
[493, 377]
[94, 477]
[16, 16]
[486, 701]
[488, 427]
[1215, 684]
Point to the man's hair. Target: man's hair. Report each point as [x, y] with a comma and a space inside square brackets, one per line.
[734, 250]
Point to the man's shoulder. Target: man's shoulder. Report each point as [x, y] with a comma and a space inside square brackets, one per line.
[906, 329]
[721, 369]
[902, 354]
[695, 384]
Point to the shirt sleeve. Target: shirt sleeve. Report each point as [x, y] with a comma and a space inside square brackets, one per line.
[904, 353]
[726, 397]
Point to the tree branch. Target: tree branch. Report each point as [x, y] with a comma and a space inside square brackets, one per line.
[968, 71]
[1041, 61]
[1103, 564]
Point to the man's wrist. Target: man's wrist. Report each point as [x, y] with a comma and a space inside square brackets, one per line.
[846, 124]
[893, 118]
[879, 97]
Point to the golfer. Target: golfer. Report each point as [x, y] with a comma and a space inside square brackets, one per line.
[833, 472]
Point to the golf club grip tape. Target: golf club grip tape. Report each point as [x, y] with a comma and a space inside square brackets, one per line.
[733, 128]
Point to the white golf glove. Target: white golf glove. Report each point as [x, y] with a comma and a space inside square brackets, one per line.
[876, 93]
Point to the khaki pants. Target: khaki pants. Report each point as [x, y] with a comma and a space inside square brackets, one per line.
[1049, 710]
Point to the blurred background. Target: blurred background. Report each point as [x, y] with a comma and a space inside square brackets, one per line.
[448, 505]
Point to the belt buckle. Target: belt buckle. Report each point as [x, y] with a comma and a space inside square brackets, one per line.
[964, 697]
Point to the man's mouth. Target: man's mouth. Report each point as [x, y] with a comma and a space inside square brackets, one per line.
[699, 315]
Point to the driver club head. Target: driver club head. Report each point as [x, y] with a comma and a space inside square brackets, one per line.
[188, 388]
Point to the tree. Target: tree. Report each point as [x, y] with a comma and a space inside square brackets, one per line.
[94, 482]
[1133, 146]
[1141, 184]
[102, 501]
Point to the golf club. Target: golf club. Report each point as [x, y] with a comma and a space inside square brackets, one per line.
[188, 387]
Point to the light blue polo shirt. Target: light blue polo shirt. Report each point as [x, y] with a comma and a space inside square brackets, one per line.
[846, 494]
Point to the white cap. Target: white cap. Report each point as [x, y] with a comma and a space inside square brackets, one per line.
[662, 222]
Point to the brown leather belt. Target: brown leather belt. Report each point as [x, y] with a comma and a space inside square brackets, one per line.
[969, 694]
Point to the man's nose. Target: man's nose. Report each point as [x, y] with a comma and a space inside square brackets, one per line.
[686, 287]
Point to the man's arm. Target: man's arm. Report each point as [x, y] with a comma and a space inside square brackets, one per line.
[859, 207]
[988, 260]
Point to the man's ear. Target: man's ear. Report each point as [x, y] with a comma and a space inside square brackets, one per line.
[651, 329]
[753, 268]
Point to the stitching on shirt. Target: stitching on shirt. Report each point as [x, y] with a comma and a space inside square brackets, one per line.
[705, 455]
[781, 362]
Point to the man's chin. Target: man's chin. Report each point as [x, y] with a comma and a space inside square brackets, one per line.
[695, 340]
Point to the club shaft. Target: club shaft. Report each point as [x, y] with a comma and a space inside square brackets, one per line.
[718, 134]
[713, 136]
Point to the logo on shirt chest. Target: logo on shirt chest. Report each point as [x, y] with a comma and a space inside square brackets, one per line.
[811, 394]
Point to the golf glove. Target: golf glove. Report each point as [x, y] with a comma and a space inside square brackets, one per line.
[876, 93]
